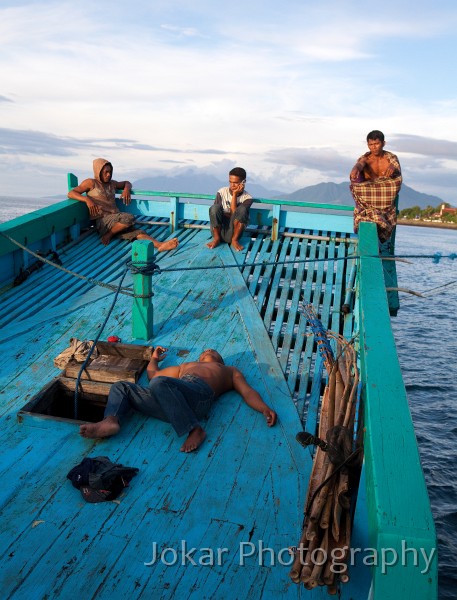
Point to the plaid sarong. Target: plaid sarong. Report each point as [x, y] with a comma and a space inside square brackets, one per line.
[374, 202]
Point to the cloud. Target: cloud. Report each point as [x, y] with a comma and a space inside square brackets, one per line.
[427, 146]
[323, 160]
[183, 31]
[16, 141]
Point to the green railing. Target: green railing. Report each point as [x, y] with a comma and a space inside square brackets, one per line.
[401, 527]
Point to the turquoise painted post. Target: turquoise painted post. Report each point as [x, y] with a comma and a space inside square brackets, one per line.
[142, 311]
[401, 528]
[72, 181]
[275, 222]
[174, 203]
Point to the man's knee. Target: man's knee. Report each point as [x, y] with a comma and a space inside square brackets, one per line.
[216, 214]
[242, 214]
[126, 218]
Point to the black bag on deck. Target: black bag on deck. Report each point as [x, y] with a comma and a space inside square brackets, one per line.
[98, 479]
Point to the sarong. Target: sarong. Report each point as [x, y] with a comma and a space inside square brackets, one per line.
[375, 203]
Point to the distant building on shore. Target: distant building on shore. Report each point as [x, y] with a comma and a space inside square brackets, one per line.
[444, 210]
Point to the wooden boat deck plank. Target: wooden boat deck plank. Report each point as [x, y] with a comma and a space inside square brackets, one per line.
[274, 289]
[77, 538]
[287, 272]
[312, 295]
[290, 335]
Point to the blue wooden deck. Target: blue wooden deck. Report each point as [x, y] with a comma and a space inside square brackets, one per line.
[242, 492]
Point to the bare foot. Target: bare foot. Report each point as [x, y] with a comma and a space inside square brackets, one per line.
[106, 239]
[168, 245]
[213, 244]
[106, 428]
[194, 439]
[237, 245]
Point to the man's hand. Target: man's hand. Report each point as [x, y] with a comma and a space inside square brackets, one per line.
[354, 173]
[94, 210]
[126, 197]
[390, 171]
[238, 189]
[159, 353]
[270, 417]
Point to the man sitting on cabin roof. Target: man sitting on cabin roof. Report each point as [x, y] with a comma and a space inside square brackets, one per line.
[229, 214]
[180, 395]
[100, 199]
[375, 182]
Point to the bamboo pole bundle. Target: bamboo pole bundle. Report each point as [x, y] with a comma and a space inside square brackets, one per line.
[327, 524]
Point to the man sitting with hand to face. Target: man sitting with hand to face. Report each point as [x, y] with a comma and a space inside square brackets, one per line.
[229, 214]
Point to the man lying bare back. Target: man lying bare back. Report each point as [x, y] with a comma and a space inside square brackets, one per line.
[181, 395]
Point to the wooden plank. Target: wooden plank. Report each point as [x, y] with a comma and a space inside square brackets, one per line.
[290, 336]
[275, 285]
[268, 254]
[288, 269]
[200, 497]
[315, 299]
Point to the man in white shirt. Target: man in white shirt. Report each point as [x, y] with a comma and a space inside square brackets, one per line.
[229, 214]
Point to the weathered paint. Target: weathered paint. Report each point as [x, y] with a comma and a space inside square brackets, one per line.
[398, 503]
[247, 483]
[142, 310]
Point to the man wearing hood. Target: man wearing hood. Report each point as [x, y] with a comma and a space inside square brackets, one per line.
[100, 199]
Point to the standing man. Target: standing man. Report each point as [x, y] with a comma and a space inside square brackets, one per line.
[100, 199]
[229, 214]
[180, 395]
[375, 183]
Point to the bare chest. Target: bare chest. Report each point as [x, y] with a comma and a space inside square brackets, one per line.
[378, 165]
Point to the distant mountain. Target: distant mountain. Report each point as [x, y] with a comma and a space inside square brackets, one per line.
[324, 193]
[198, 183]
[338, 193]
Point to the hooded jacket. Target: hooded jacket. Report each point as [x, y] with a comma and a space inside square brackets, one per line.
[103, 194]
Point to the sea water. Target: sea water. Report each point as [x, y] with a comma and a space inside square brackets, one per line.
[426, 336]
[425, 332]
[15, 206]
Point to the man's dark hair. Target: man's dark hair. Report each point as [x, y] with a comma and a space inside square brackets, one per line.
[375, 135]
[238, 172]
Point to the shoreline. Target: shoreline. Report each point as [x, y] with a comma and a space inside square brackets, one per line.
[415, 223]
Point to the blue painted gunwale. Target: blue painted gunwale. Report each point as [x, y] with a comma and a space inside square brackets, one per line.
[75, 316]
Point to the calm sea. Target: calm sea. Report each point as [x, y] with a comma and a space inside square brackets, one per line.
[13, 206]
[426, 336]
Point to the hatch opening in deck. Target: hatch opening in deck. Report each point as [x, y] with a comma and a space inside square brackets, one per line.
[56, 401]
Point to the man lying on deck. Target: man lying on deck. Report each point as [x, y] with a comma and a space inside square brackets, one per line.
[375, 182]
[100, 199]
[180, 395]
[229, 214]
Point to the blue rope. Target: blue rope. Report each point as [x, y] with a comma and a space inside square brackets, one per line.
[320, 334]
[136, 269]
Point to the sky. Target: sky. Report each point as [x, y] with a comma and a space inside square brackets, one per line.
[288, 90]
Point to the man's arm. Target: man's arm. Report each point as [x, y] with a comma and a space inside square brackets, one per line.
[153, 369]
[77, 194]
[252, 398]
[126, 186]
[358, 168]
[394, 169]
[235, 193]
